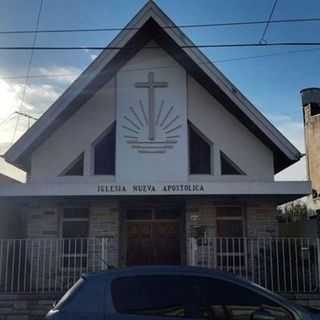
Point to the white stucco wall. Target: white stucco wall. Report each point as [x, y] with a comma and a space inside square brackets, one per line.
[228, 134]
[148, 160]
[75, 135]
[116, 100]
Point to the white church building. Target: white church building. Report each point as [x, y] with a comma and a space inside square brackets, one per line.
[150, 152]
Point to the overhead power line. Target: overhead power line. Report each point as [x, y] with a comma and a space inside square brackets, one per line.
[222, 45]
[62, 75]
[183, 26]
[262, 39]
[34, 40]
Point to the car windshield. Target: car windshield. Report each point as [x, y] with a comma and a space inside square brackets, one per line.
[69, 294]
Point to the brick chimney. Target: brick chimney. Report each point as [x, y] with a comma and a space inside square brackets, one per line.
[311, 114]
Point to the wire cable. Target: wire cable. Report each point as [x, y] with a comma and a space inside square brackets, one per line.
[184, 26]
[28, 70]
[200, 46]
[262, 38]
[66, 75]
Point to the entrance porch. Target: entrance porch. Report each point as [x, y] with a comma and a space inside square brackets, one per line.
[64, 237]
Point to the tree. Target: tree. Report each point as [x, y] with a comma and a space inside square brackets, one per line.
[294, 211]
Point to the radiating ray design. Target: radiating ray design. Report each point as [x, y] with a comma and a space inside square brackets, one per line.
[174, 129]
[143, 112]
[171, 122]
[137, 121]
[151, 151]
[160, 111]
[153, 142]
[129, 129]
[136, 146]
[132, 122]
[136, 116]
[166, 117]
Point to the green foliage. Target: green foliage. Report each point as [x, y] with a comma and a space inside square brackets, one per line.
[295, 211]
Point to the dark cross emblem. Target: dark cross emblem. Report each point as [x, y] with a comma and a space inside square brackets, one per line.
[151, 84]
[140, 124]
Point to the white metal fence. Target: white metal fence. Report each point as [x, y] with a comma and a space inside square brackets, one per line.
[284, 265]
[50, 265]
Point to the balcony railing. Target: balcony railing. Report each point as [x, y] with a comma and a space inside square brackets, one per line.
[42, 266]
[284, 265]
[50, 265]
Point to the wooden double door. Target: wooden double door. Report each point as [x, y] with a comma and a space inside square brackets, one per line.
[153, 237]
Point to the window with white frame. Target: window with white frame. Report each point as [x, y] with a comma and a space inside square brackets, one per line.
[75, 231]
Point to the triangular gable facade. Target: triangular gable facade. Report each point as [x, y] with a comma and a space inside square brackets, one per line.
[146, 26]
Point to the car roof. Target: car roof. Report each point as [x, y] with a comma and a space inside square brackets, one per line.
[167, 269]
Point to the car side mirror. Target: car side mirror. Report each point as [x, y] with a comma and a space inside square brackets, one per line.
[262, 314]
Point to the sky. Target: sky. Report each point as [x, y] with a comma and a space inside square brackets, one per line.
[272, 82]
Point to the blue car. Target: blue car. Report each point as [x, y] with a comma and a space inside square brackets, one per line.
[164, 292]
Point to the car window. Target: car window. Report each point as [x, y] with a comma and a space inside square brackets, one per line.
[191, 297]
[160, 295]
[225, 300]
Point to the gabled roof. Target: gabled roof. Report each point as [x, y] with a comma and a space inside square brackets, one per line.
[146, 26]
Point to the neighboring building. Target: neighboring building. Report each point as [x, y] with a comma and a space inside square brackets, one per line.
[311, 113]
[150, 148]
[11, 225]
[10, 173]
[4, 179]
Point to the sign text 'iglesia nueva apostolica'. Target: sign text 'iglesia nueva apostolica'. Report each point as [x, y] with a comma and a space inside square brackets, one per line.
[149, 188]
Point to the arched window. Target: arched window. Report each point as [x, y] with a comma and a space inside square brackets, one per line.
[199, 152]
[105, 152]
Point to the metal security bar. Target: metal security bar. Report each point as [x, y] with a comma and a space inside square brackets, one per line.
[284, 265]
[50, 265]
